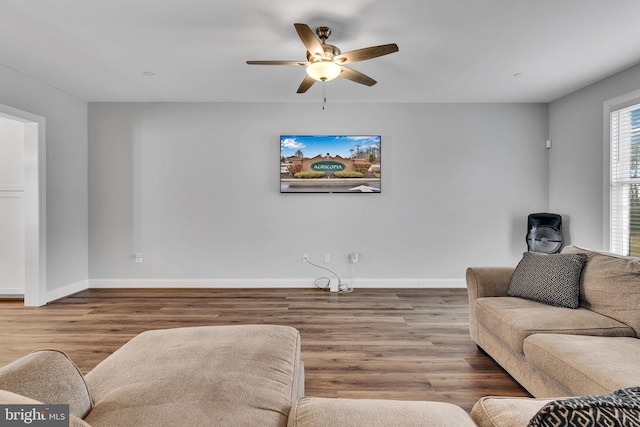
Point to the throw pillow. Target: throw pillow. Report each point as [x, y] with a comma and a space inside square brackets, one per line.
[48, 376]
[619, 408]
[549, 279]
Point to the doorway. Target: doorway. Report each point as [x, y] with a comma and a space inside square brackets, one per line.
[12, 228]
[23, 206]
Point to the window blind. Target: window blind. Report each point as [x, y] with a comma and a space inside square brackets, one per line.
[625, 181]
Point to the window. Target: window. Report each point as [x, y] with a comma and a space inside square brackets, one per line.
[625, 181]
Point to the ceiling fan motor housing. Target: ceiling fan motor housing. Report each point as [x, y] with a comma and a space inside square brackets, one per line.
[330, 51]
[544, 233]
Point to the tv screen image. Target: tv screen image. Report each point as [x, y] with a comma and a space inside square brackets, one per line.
[330, 163]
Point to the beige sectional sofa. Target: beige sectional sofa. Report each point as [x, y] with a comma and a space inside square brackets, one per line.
[204, 376]
[253, 376]
[557, 351]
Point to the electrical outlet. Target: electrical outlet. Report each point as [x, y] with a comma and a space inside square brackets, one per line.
[305, 257]
[139, 257]
[327, 258]
[354, 257]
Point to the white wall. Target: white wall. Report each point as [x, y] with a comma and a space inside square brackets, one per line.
[576, 166]
[194, 188]
[66, 138]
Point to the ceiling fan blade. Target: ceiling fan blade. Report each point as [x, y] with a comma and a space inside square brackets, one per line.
[302, 63]
[306, 84]
[309, 39]
[356, 76]
[365, 53]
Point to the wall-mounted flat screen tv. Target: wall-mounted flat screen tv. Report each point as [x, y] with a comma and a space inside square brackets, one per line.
[330, 163]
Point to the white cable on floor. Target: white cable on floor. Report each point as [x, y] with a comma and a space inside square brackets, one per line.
[344, 288]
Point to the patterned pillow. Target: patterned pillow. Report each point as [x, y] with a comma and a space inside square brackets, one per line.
[619, 408]
[549, 279]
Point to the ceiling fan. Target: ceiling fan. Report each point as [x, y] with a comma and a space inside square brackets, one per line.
[325, 62]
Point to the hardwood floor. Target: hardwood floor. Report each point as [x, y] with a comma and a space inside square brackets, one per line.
[410, 344]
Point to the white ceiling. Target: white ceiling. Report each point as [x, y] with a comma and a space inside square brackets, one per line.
[450, 50]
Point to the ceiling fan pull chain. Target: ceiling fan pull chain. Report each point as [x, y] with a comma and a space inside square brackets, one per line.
[324, 93]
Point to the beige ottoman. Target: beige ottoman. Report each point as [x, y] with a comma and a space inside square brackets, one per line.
[201, 376]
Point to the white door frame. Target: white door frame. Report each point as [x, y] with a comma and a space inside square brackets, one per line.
[35, 191]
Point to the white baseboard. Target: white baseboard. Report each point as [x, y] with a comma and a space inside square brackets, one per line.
[67, 290]
[409, 283]
[271, 283]
[245, 283]
[12, 292]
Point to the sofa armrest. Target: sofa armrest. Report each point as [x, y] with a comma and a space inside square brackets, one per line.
[493, 411]
[9, 398]
[488, 281]
[485, 282]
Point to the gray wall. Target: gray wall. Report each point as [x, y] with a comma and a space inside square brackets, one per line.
[576, 165]
[194, 188]
[66, 139]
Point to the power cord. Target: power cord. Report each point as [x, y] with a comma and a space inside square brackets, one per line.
[342, 287]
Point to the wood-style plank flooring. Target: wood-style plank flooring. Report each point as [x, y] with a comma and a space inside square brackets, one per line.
[410, 344]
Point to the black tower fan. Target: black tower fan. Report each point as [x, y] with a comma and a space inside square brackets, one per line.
[544, 233]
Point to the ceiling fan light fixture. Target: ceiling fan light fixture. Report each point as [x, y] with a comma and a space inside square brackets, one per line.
[323, 70]
[325, 61]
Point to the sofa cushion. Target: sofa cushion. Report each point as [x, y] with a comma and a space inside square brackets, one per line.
[9, 398]
[495, 411]
[48, 376]
[549, 279]
[513, 319]
[611, 285]
[618, 408]
[323, 412]
[210, 375]
[586, 364]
